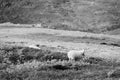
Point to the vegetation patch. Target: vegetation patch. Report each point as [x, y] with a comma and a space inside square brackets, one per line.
[95, 16]
[26, 63]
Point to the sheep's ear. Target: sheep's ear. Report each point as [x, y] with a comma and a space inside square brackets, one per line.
[37, 45]
[83, 50]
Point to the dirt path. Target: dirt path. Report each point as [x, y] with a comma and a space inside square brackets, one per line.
[26, 36]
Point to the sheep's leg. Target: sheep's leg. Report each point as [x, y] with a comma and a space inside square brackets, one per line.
[70, 59]
[84, 58]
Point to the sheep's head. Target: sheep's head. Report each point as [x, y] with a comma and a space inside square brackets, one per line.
[83, 54]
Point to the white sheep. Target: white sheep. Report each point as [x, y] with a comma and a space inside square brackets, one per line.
[34, 46]
[73, 54]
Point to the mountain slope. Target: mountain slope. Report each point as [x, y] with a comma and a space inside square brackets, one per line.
[84, 15]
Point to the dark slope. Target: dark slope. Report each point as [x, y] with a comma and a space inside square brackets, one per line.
[83, 15]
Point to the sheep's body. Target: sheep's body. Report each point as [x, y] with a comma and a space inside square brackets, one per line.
[75, 54]
[34, 46]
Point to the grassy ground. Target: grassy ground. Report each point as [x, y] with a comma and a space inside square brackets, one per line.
[83, 39]
[114, 32]
[100, 45]
[51, 62]
[22, 63]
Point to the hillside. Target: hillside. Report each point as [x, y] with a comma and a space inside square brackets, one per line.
[84, 15]
[20, 61]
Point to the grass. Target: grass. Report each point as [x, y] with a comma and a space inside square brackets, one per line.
[22, 63]
[76, 39]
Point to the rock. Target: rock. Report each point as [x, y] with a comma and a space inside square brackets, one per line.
[37, 25]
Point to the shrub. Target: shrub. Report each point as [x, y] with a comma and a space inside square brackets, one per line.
[14, 58]
[94, 60]
[1, 58]
[55, 55]
[30, 54]
[114, 73]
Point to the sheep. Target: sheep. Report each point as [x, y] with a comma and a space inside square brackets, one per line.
[73, 54]
[34, 46]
